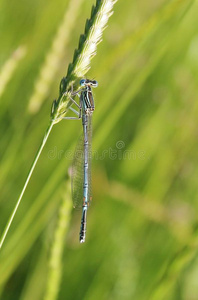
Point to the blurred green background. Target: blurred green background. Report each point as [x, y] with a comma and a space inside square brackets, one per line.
[142, 225]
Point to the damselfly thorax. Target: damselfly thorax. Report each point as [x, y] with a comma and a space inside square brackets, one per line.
[86, 97]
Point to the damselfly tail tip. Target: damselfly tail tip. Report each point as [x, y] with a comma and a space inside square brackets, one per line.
[82, 240]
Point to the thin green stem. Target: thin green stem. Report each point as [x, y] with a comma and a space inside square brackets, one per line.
[26, 183]
[55, 265]
[7, 70]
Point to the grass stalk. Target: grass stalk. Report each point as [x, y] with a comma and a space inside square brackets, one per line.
[4, 234]
[54, 275]
[7, 71]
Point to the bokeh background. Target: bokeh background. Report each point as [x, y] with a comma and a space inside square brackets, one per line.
[142, 225]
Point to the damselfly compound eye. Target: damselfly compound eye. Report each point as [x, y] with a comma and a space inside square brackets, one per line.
[94, 83]
[83, 82]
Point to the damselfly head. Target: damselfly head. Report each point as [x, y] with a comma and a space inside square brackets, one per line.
[88, 82]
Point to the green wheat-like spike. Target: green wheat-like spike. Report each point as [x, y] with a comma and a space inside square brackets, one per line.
[93, 35]
[82, 56]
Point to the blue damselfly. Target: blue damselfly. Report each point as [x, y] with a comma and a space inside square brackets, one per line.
[81, 168]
